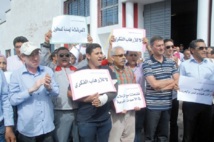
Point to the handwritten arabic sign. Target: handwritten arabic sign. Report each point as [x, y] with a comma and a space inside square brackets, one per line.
[129, 39]
[199, 92]
[129, 96]
[69, 29]
[88, 82]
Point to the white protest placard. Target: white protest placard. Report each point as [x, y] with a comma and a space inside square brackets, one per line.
[129, 39]
[128, 97]
[195, 90]
[69, 29]
[90, 81]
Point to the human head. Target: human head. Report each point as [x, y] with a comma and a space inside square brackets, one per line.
[17, 43]
[169, 47]
[94, 55]
[187, 54]
[30, 55]
[118, 56]
[209, 49]
[53, 56]
[212, 54]
[3, 63]
[132, 57]
[181, 47]
[157, 45]
[198, 49]
[63, 57]
[74, 55]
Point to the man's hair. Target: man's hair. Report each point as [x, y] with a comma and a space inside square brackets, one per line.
[62, 48]
[114, 50]
[194, 42]
[155, 38]
[91, 46]
[21, 39]
[53, 54]
[186, 50]
[167, 40]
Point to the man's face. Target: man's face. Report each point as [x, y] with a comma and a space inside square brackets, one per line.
[169, 46]
[158, 47]
[187, 54]
[73, 59]
[200, 51]
[132, 58]
[3, 64]
[32, 60]
[96, 57]
[119, 58]
[17, 47]
[209, 53]
[63, 58]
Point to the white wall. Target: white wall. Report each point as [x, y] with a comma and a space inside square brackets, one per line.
[31, 19]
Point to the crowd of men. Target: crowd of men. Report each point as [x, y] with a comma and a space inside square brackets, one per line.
[37, 106]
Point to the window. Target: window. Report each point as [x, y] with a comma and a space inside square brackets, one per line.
[109, 12]
[78, 7]
[8, 53]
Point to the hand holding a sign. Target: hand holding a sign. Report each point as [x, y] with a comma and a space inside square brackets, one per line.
[89, 38]
[90, 99]
[48, 36]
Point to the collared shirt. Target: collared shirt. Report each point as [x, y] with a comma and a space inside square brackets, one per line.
[62, 102]
[14, 63]
[6, 111]
[124, 76]
[35, 111]
[203, 70]
[159, 100]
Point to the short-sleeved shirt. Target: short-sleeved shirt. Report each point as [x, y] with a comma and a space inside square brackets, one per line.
[158, 100]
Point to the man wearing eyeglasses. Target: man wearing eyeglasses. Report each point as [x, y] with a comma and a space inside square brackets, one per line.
[31, 89]
[123, 124]
[161, 75]
[197, 116]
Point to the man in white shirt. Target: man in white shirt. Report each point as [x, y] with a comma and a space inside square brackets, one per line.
[14, 62]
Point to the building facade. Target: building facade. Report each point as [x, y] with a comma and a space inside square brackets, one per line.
[33, 19]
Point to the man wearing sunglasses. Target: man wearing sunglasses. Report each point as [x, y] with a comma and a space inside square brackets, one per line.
[161, 75]
[197, 116]
[169, 47]
[64, 107]
[31, 89]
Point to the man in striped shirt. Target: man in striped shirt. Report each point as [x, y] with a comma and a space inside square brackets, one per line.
[161, 75]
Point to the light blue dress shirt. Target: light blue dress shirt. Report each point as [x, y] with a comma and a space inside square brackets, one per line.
[6, 111]
[35, 111]
[203, 70]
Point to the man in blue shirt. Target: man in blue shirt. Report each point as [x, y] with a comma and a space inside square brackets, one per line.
[31, 89]
[6, 113]
[197, 116]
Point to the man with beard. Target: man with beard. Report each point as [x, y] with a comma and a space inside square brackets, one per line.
[161, 75]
